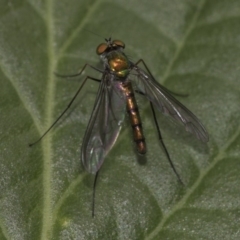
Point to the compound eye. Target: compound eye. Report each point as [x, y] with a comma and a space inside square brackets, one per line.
[118, 43]
[101, 48]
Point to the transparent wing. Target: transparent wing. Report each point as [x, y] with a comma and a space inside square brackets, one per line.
[167, 104]
[104, 125]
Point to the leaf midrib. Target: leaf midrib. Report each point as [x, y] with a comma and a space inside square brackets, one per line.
[50, 214]
[47, 143]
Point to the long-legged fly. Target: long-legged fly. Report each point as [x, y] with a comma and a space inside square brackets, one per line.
[121, 79]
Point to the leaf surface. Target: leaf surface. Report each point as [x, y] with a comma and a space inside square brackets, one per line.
[192, 47]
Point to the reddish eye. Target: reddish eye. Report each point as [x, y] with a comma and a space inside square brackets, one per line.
[118, 43]
[101, 48]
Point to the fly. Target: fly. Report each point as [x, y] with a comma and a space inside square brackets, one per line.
[116, 95]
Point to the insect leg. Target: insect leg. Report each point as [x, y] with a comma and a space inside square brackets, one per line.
[162, 142]
[93, 196]
[69, 105]
[163, 145]
[79, 73]
[146, 67]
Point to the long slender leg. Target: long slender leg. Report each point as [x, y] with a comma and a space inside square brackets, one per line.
[146, 67]
[162, 142]
[77, 74]
[163, 145]
[93, 196]
[69, 105]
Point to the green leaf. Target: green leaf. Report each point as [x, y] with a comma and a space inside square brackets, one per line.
[192, 47]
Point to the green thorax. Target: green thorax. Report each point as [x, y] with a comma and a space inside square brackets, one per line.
[118, 63]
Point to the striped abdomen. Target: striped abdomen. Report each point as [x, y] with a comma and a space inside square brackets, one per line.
[135, 119]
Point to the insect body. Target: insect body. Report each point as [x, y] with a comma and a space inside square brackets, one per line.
[121, 66]
[116, 96]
